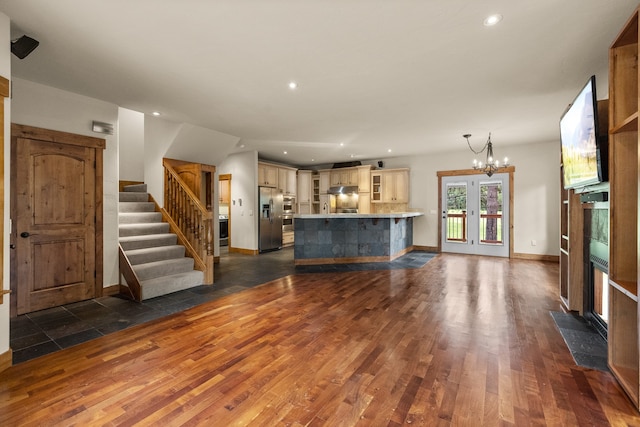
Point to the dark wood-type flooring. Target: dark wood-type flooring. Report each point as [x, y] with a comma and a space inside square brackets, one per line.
[462, 341]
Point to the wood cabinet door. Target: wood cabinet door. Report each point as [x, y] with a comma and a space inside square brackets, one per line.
[388, 187]
[304, 187]
[401, 186]
[292, 182]
[324, 182]
[55, 220]
[267, 175]
[351, 177]
[334, 178]
[364, 179]
[282, 181]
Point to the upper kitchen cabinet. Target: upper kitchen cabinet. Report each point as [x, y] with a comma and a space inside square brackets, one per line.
[267, 175]
[364, 179]
[390, 186]
[287, 181]
[324, 181]
[344, 177]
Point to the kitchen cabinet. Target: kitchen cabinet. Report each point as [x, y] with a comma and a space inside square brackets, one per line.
[390, 186]
[346, 176]
[364, 203]
[364, 179]
[267, 175]
[315, 189]
[324, 181]
[287, 182]
[304, 187]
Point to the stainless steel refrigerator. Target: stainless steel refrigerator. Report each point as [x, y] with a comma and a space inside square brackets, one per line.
[270, 224]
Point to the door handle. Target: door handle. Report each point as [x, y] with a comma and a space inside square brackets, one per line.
[24, 234]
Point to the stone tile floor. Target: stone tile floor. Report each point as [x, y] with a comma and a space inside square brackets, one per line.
[586, 345]
[39, 333]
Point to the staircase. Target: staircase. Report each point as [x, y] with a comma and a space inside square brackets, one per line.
[159, 263]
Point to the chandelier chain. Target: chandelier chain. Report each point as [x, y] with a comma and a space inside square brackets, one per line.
[467, 136]
[491, 165]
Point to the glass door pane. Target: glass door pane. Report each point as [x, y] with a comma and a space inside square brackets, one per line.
[456, 214]
[491, 213]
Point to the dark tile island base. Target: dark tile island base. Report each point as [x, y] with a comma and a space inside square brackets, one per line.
[350, 238]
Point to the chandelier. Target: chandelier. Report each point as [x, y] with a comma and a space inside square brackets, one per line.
[490, 166]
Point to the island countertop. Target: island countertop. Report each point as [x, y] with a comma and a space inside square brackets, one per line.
[359, 215]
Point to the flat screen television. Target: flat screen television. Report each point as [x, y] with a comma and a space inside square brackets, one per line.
[584, 149]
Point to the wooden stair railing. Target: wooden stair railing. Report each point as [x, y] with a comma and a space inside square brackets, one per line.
[190, 220]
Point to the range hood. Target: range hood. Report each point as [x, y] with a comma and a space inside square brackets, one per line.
[347, 189]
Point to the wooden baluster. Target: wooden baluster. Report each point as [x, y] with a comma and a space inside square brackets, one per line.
[181, 210]
[209, 226]
[196, 228]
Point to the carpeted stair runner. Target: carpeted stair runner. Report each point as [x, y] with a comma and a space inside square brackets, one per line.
[158, 261]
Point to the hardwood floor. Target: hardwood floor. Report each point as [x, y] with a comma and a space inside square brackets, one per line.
[462, 341]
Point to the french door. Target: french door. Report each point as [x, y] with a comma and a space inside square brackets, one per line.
[475, 214]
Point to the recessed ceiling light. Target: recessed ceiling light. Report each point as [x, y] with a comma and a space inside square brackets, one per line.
[241, 145]
[492, 20]
[313, 160]
[284, 152]
[156, 113]
[293, 85]
[389, 150]
[342, 144]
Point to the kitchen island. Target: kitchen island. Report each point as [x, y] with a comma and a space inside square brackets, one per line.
[351, 238]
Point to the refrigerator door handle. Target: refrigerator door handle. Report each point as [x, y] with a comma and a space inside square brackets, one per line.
[271, 211]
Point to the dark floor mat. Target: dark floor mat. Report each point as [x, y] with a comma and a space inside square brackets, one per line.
[586, 345]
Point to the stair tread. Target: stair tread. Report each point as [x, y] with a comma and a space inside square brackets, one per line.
[130, 207]
[170, 277]
[145, 228]
[140, 256]
[135, 188]
[145, 237]
[150, 270]
[171, 261]
[129, 196]
[139, 217]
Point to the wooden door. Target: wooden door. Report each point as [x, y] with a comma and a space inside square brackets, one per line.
[57, 218]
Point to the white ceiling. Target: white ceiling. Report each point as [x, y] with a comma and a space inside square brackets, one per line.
[407, 75]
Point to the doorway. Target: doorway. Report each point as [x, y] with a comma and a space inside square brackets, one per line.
[56, 210]
[224, 212]
[475, 214]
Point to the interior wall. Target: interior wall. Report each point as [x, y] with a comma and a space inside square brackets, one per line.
[130, 145]
[243, 168]
[42, 106]
[158, 137]
[536, 190]
[5, 71]
[201, 145]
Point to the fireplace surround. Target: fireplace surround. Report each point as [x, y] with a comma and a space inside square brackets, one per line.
[596, 266]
